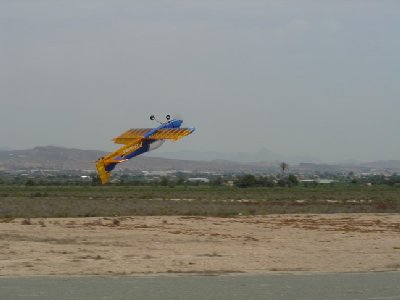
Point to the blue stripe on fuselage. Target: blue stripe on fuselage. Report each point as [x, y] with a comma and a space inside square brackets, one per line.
[110, 167]
[145, 147]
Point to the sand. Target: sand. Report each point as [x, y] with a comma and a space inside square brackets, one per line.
[200, 245]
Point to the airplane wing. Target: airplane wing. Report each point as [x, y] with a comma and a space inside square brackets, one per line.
[172, 133]
[132, 134]
[161, 134]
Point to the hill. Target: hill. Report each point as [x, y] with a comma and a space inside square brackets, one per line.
[58, 158]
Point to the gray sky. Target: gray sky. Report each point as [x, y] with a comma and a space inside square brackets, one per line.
[297, 77]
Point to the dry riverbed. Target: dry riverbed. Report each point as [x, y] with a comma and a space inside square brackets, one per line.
[201, 245]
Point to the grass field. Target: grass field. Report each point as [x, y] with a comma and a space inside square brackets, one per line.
[80, 201]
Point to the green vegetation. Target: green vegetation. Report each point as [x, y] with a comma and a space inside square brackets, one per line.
[208, 200]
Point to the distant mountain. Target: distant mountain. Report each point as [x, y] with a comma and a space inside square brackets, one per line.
[50, 157]
[302, 159]
[245, 157]
[58, 158]
[382, 164]
[347, 162]
[263, 155]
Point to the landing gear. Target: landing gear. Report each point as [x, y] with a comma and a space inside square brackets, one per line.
[153, 118]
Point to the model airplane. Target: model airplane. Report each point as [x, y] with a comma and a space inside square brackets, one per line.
[138, 141]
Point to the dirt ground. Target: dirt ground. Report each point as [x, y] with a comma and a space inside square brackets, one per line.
[201, 245]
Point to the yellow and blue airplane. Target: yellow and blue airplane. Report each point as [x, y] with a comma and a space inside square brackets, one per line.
[137, 141]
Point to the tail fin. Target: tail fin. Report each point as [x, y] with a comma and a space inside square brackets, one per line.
[101, 169]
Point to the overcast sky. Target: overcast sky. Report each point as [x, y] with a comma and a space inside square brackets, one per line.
[318, 78]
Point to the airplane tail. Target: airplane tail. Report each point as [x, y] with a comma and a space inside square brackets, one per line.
[107, 163]
[101, 170]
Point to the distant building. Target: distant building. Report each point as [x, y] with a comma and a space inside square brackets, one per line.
[325, 181]
[115, 180]
[230, 183]
[318, 180]
[158, 173]
[199, 179]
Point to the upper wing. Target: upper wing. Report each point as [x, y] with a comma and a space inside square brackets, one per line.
[131, 134]
[171, 133]
[161, 134]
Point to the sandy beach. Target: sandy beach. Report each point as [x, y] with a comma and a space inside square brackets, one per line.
[200, 245]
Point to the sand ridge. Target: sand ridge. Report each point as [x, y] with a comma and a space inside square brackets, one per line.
[200, 245]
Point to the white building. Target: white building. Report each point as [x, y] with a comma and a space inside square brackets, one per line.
[199, 179]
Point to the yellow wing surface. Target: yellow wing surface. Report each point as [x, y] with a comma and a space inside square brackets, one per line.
[161, 134]
[172, 133]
